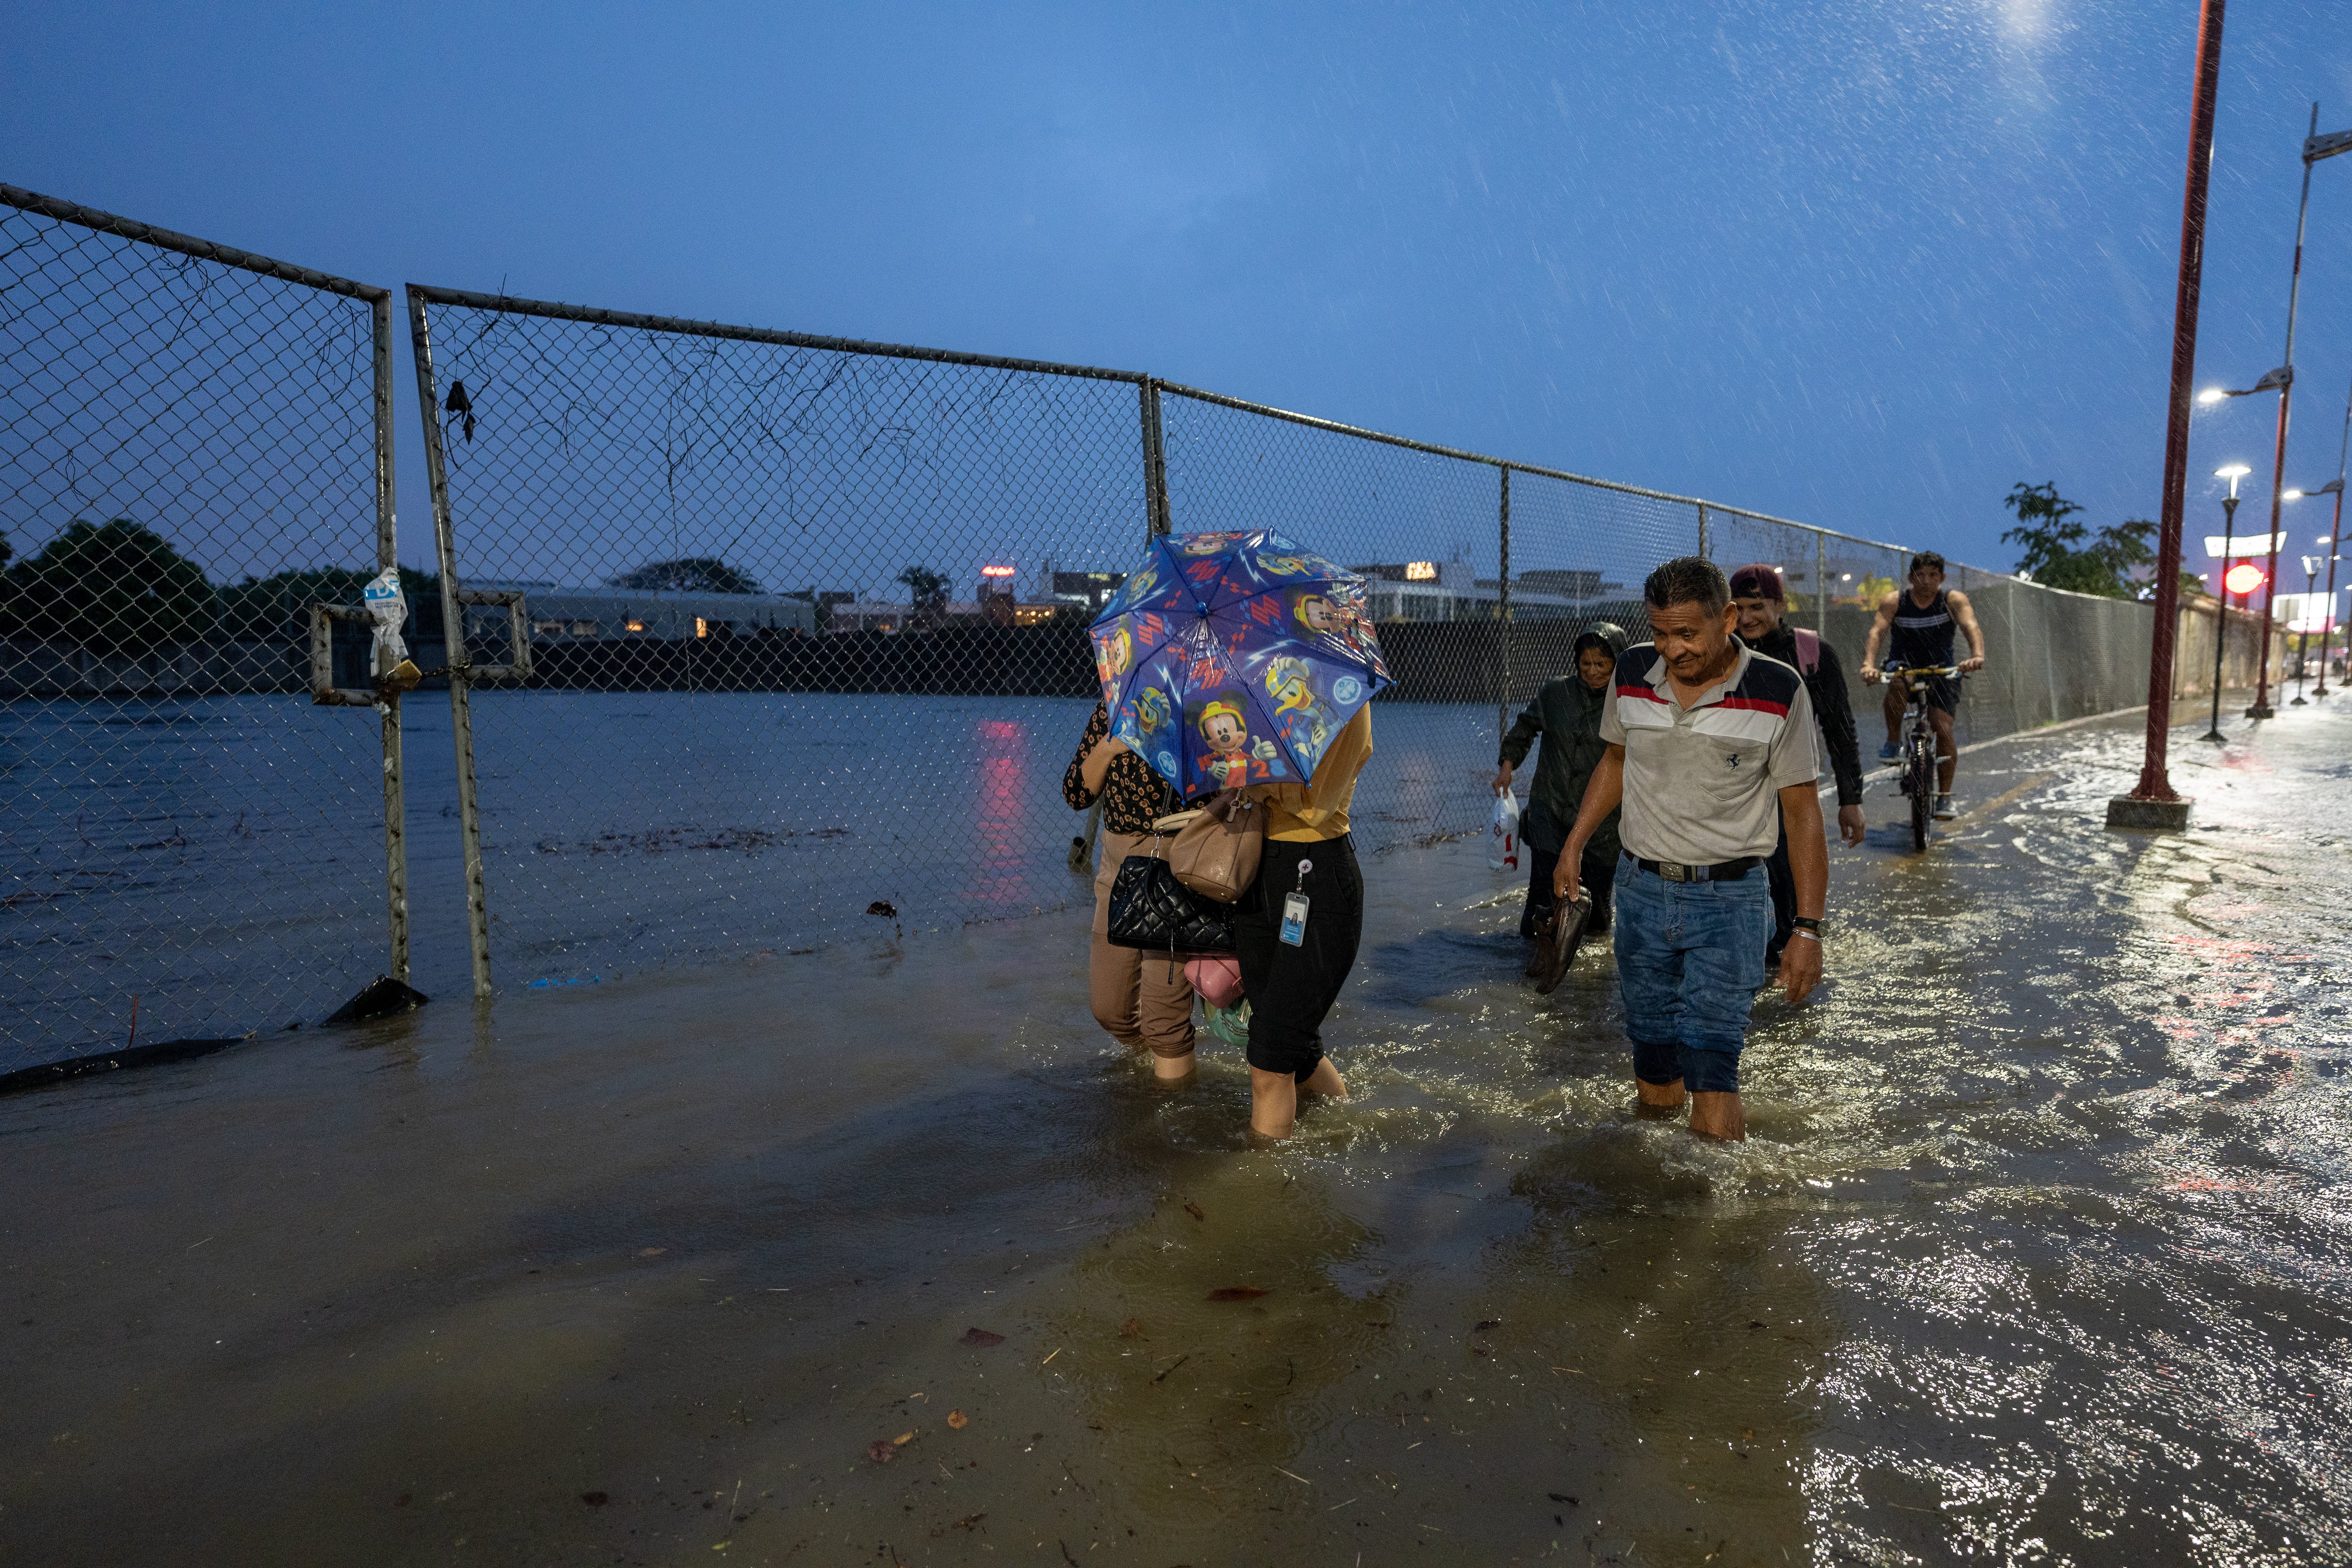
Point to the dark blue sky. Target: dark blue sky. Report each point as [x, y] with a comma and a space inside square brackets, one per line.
[1861, 264]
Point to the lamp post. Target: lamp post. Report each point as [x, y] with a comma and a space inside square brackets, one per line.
[2314, 148]
[2233, 473]
[2310, 576]
[2335, 542]
[2153, 803]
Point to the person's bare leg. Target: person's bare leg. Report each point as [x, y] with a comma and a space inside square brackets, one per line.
[1169, 1069]
[1716, 1114]
[1657, 1098]
[1894, 706]
[1274, 1103]
[1948, 750]
[1326, 1080]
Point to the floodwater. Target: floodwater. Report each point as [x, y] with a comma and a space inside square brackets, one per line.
[222, 859]
[2040, 1251]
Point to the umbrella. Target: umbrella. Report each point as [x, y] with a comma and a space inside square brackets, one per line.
[1234, 658]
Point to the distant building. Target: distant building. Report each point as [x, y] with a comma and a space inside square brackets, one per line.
[1446, 591]
[555, 612]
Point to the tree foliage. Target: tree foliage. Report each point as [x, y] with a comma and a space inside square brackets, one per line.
[691, 575]
[2059, 553]
[113, 587]
[927, 588]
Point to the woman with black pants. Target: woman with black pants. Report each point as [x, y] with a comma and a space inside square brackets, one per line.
[1291, 985]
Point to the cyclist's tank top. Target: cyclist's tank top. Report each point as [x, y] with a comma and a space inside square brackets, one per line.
[1922, 638]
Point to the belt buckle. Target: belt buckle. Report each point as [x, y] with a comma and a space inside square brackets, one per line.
[1674, 872]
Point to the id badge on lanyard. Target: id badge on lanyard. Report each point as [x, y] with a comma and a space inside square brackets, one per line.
[1294, 909]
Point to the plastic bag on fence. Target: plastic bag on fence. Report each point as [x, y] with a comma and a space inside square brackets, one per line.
[389, 608]
[1503, 834]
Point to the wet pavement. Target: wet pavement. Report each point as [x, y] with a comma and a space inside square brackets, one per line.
[2040, 1249]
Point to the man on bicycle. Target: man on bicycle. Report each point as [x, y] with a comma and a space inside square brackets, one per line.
[1921, 622]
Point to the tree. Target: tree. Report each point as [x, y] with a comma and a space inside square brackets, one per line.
[113, 587]
[2052, 551]
[927, 588]
[693, 574]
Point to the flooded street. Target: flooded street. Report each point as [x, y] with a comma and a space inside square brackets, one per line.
[2041, 1250]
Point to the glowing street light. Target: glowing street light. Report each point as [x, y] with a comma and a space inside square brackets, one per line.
[2233, 472]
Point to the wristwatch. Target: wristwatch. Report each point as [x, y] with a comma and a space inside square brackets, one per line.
[1806, 923]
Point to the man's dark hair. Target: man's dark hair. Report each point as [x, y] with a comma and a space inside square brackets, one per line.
[1925, 558]
[1687, 580]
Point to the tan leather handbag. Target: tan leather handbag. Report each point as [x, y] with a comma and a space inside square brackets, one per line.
[1216, 847]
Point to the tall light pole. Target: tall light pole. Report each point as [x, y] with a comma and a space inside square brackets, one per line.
[2153, 803]
[2335, 543]
[2314, 148]
[2232, 473]
[2303, 653]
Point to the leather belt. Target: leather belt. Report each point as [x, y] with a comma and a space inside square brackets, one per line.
[1721, 871]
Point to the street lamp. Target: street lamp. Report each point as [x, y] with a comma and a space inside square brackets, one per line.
[2314, 148]
[2302, 653]
[2233, 472]
[2335, 542]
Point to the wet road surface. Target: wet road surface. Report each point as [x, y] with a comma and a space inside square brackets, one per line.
[2041, 1250]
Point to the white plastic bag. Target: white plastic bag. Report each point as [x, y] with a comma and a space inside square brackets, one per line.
[389, 609]
[1503, 834]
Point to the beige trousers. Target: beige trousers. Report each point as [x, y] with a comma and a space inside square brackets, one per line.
[1141, 1000]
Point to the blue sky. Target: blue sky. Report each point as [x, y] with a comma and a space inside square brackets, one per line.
[1862, 264]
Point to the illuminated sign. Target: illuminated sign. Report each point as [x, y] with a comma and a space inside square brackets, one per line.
[2244, 578]
[1421, 571]
[996, 571]
[2242, 545]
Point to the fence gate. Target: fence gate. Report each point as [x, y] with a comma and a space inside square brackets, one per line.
[761, 630]
[194, 452]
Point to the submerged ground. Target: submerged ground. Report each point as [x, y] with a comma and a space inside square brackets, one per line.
[2042, 1251]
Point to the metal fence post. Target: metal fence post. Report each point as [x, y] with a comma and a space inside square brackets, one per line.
[1156, 521]
[1702, 528]
[453, 645]
[1821, 583]
[387, 559]
[1503, 610]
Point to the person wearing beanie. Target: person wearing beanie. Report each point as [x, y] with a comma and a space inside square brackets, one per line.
[1567, 714]
[1756, 590]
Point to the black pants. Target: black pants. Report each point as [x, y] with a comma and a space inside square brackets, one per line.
[1291, 988]
[1598, 873]
[1784, 897]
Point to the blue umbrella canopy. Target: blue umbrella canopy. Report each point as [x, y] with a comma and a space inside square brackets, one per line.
[1234, 658]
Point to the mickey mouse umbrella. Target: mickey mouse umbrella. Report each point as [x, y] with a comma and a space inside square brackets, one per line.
[1234, 658]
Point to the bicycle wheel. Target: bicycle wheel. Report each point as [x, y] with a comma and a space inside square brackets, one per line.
[1919, 769]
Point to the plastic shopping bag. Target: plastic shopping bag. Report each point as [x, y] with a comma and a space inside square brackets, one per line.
[1503, 834]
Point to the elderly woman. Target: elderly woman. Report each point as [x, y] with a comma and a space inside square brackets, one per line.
[1567, 714]
[1141, 1001]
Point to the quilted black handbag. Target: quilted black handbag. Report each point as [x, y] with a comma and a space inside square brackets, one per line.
[1151, 909]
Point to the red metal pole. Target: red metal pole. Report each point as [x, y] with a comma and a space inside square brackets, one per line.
[2262, 707]
[2154, 781]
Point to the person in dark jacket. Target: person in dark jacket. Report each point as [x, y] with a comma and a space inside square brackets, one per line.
[1756, 590]
[1567, 714]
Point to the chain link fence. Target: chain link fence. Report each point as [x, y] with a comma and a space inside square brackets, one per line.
[195, 450]
[751, 638]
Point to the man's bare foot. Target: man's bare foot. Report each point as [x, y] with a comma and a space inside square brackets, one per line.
[1170, 1070]
[1658, 1100]
[1715, 1114]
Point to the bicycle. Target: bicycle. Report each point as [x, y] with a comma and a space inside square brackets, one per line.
[1916, 768]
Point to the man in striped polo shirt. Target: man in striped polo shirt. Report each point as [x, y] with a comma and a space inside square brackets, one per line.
[1710, 753]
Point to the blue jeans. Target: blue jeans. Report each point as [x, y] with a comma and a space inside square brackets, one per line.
[1689, 958]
